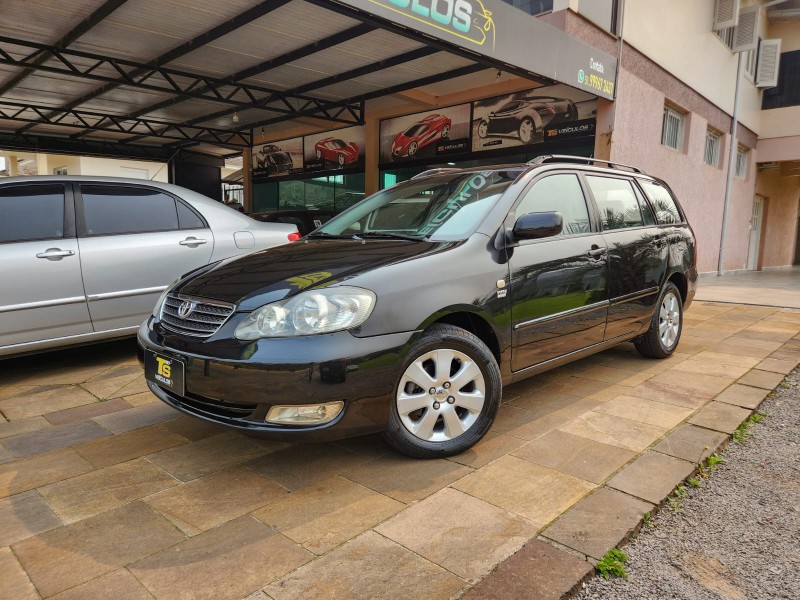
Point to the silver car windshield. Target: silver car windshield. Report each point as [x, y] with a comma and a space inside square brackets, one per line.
[443, 207]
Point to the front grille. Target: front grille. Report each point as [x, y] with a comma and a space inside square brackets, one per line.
[202, 322]
[217, 409]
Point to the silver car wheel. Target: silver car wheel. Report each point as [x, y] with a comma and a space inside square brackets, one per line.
[440, 395]
[669, 320]
[446, 132]
[483, 129]
[526, 131]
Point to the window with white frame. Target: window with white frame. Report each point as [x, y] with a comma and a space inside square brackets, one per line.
[713, 141]
[742, 155]
[726, 36]
[751, 62]
[672, 128]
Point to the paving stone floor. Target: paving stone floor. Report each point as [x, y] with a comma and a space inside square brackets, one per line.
[106, 492]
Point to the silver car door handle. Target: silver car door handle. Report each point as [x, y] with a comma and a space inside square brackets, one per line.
[191, 241]
[594, 251]
[55, 253]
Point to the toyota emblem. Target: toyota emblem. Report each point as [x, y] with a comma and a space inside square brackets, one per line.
[186, 308]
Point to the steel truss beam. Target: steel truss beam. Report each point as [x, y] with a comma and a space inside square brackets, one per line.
[209, 36]
[292, 55]
[321, 83]
[98, 121]
[166, 80]
[35, 143]
[401, 87]
[88, 23]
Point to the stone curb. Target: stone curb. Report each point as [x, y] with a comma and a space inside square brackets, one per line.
[566, 582]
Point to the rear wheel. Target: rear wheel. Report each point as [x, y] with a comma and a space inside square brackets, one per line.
[447, 396]
[526, 130]
[665, 329]
[445, 132]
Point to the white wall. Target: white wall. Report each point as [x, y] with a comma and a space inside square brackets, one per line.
[677, 35]
[112, 167]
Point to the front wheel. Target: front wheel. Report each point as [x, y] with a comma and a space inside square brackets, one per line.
[526, 130]
[664, 333]
[483, 128]
[447, 396]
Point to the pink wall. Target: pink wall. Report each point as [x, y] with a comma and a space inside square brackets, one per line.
[636, 140]
[782, 194]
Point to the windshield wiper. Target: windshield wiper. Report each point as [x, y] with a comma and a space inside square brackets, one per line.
[325, 234]
[391, 235]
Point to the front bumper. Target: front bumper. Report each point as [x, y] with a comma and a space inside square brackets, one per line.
[238, 386]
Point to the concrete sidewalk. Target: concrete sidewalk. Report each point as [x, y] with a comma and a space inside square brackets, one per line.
[779, 288]
[106, 492]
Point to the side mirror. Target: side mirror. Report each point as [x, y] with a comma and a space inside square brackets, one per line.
[538, 225]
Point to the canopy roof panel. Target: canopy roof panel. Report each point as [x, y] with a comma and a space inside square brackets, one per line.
[155, 76]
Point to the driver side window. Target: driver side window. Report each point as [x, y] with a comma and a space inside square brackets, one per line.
[559, 193]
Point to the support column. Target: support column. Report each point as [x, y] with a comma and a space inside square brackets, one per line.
[247, 180]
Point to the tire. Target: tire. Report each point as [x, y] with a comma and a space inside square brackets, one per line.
[412, 149]
[665, 329]
[425, 425]
[319, 154]
[483, 128]
[527, 130]
[445, 132]
[341, 160]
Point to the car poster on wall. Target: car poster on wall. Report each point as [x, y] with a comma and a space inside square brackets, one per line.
[277, 159]
[430, 134]
[532, 117]
[332, 150]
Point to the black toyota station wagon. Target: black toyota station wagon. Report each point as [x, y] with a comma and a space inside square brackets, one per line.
[408, 312]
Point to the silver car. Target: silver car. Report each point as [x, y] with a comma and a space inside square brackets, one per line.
[85, 258]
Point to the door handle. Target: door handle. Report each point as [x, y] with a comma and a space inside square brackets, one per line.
[192, 241]
[595, 251]
[55, 254]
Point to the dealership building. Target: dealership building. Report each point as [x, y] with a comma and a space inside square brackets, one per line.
[328, 101]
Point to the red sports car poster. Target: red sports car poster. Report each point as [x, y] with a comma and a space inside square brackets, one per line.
[276, 159]
[426, 135]
[333, 150]
[532, 117]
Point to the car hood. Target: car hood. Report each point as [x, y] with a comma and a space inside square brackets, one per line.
[270, 275]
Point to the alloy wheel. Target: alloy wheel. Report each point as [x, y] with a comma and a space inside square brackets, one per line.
[669, 320]
[441, 394]
[526, 131]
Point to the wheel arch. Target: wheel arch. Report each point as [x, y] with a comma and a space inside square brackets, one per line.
[681, 282]
[470, 320]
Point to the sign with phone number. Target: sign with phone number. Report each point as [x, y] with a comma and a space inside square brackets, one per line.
[596, 82]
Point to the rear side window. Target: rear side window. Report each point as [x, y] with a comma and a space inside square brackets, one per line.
[188, 219]
[616, 202]
[121, 209]
[666, 210]
[31, 212]
[559, 193]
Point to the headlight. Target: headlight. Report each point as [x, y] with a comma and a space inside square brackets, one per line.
[316, 311]
[162, 297]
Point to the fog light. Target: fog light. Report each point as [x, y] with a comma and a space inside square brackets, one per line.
[305, 414]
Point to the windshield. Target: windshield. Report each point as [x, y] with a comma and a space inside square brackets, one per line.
[280, 158]
[415, 130]
[443, 207]
[337, 144]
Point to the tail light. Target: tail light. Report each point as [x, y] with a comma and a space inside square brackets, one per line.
[294, 236]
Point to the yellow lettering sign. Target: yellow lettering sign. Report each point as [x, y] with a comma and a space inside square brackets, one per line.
[164, 366]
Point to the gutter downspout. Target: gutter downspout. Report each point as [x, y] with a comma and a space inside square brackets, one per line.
[731, 165]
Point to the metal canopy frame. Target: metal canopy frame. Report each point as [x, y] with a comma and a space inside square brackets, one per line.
[136, 134]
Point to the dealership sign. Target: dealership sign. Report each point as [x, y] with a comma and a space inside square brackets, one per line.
[504, 34]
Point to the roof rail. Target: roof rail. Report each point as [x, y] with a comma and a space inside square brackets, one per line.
[436, 172]
[556, 158]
